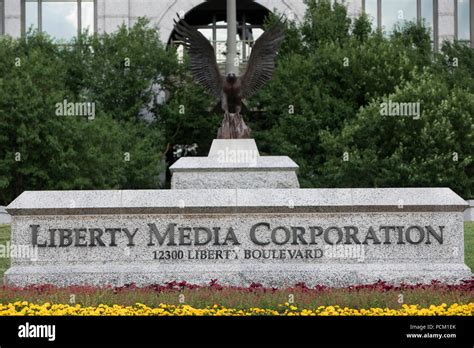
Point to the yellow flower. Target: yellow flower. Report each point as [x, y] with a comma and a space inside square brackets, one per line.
[24, 308]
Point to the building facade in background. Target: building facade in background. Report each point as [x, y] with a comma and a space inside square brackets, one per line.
[448, 19]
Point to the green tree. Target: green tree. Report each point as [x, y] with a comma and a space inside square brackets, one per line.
[31, 83]
[435, 149]
[187, 116]
[123, 71]
[318, 97]
[119, 73]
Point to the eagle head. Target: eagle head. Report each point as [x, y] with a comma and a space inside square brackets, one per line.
[231, 78]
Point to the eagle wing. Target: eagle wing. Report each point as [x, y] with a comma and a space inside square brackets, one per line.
[262, 60]
[202, 58]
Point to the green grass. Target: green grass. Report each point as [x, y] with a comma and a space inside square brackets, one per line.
[468, 245]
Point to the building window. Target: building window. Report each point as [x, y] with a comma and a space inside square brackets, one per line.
[371, 9]
[427, 15]
[31, 15]
[386, 14]
[216, 33]
[463, 21]
[210, 19]
[396, 13]
[63, 20]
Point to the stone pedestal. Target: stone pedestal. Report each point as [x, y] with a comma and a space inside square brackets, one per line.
[238, 221]
[234, 164]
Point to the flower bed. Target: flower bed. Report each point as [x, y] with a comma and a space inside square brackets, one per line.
[26, 308]
[181, 298]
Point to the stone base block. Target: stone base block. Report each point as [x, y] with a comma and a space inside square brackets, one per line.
[334, 275]
[278, 238]
[232, 164]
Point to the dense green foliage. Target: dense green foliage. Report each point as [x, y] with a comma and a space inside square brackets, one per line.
[118, 72]
[322, 108]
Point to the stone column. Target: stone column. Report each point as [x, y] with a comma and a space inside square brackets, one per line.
[446, 22]
[354, 8]
[231, 37]
[12, 18]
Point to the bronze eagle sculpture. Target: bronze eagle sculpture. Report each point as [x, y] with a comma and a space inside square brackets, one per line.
[231, 89]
